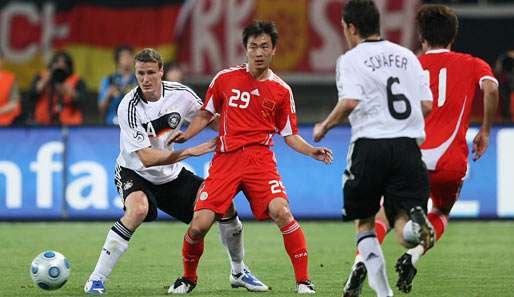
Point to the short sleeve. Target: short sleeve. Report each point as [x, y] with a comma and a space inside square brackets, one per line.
[132, 135]
[351, 87]
[213, 99]
[483, 71]
[286, 121]
[195, 103]
[339, 82]
[425, 94]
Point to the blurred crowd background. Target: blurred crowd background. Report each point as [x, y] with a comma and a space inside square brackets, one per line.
[71, 62]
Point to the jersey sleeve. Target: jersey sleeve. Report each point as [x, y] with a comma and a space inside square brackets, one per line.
[349, 84]
[425, 94]
[195, 103]
[339, 82]
[213, 98]
[482, 71]
[286, 116]
[132, 134]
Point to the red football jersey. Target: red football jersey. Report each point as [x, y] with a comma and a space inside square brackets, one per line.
[453, 81]
[251, 111]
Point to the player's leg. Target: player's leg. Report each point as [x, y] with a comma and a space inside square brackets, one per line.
[116, 243]
[294, 243]
[192, 250]
[363, 188]
[231, 236]
[405, 204]
[213, 200]
[355, 280]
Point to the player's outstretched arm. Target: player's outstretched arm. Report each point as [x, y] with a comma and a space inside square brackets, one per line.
[156, 157]
[199, 122]
[338, 115]
[481, 140]
[299, 144]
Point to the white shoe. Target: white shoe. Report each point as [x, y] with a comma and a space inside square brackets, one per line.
[247, 280]
[94, 287]
[181, 286]
[306, 287]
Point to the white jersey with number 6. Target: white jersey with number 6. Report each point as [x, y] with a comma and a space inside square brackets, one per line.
[390, 84]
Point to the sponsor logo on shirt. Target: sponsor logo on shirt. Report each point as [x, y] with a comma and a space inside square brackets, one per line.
[203, 196]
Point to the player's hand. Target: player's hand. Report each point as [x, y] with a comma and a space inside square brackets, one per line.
[178, 137]
[203, 148]
[480, 144]
[319, 131]
[323, 154]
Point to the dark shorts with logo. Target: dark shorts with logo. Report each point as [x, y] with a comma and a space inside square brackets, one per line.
[176, 198]
[389, 168]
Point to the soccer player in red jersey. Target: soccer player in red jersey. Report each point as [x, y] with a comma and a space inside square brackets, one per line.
[253, 104]
[454, 78]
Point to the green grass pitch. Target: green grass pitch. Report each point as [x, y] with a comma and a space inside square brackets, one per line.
[474, 259]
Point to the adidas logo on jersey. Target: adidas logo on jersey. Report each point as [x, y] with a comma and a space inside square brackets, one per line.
[255, 92]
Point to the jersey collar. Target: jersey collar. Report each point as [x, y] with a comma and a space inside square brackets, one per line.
[437, 51]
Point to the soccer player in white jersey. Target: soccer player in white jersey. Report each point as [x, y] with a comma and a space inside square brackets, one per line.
[384, 93]
[149, 175]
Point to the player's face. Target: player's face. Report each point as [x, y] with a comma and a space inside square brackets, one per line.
[148, 76]
[259, 51]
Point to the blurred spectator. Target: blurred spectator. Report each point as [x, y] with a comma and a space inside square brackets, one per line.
[173, 72]
[116, 85]
[10, 107]
[505, 74]
[57, 93]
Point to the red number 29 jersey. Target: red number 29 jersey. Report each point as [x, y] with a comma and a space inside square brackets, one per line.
[251, 111]
[453, 81]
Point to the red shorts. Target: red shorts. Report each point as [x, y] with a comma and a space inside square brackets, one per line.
[445, 188]
[252, 170]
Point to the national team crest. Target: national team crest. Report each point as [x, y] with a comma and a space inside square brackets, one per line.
[174, 119]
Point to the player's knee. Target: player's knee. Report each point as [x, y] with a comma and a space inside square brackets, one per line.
[137, 207]
[281, 215]
[197, 231]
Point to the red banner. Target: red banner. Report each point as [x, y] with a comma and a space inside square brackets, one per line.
[310, 33]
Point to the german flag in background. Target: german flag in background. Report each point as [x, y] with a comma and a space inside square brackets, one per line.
[88, 30]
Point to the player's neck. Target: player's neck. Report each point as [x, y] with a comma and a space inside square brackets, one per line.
[374, 37]
[259, 74]
[153, 96]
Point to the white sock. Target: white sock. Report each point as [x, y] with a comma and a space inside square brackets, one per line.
[114, 247]
[231, 236]
[358, 259]
[416, 253]
[411, 232]
[371, 253]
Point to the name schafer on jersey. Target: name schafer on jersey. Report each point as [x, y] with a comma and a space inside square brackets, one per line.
[376, 62]
[150, 124]
[397, 77]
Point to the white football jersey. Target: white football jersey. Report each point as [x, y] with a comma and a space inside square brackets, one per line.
[148, 124]
[390, 84]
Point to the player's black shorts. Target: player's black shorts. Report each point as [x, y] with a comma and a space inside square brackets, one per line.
[176, 198]
[391, 168]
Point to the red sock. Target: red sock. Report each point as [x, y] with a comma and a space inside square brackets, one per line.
[380, 231]
[296, 248]
[439, 222]
[192, 250]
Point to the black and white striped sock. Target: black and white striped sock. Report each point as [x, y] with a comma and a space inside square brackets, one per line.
[121, 230]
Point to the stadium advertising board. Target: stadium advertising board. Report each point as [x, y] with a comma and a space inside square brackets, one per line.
[38, 167]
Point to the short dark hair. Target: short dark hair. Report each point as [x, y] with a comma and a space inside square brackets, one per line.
[437, 24]
[364, 15]
[148, 55]
[120, 49]
[257, 28]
